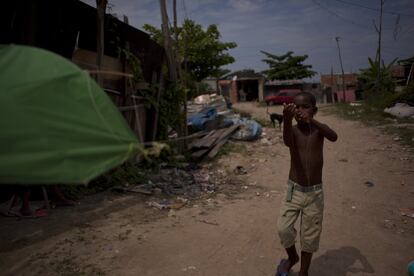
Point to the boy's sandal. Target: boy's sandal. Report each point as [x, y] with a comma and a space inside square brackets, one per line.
[279, 271]
[39, 213]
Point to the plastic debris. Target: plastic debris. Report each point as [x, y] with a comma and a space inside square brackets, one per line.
[400, 110]
[408, 212]
[369, 184]
[239, 170]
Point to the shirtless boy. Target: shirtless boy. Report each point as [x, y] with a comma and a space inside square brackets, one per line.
[304, 196]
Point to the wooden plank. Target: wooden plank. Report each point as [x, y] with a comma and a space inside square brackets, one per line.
[198, 154]
[199, 142]
[87, 60]
[215, 142]
[130, 107]
[222, 140]
[228, 131]
[210, 141]
[217, 147]
[214, 137]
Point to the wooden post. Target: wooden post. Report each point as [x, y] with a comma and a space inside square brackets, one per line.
[332, 85]
[167, 42]
[171, 60]
[180, 75]
[379, 50]
[101, 7]
[160, 91]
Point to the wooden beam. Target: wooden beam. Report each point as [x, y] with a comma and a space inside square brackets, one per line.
[100, 8]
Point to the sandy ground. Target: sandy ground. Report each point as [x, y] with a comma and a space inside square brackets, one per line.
[235, 233]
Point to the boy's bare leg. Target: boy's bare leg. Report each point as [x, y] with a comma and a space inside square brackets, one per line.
[293, 258]
[305, 263]
[25, 210]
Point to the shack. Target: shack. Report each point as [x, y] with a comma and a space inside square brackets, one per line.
[243, 86]
[69, 28]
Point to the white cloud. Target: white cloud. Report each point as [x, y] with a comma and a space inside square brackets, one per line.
[280, 26]
[246, 5]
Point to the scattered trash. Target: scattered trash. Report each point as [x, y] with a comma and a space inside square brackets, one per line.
[265, 142]
[397, 138]
[178, 203]
[199, 120]
[239, 170]
[389, 224]
[369, 184]
[191, 267]
[257, 194]
[171, 213]
[353, 207]
[408, 212]
[202, 99]
[133, 189]
[159, 205]
[249, 130]
[208, 222]
[400, 110]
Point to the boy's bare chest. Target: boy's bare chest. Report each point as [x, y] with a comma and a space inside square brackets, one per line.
[308, 140]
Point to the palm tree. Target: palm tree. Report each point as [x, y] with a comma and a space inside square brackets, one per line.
[373, 88]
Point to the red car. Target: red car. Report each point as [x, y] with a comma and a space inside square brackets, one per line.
[283, 96]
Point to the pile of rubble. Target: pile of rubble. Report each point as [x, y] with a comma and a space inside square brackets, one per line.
[212, 116]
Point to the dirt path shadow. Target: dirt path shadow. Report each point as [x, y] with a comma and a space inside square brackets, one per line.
[341, 262]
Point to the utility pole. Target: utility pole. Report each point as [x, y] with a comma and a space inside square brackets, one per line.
[332, 85]
[180, 74]
[342, 68]
[167, 42]
[100, 23]
[176, 48]
[172, 68]
[379, 31]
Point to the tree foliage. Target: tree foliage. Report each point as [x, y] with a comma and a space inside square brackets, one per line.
[369, 79]
[244, 73]
[287, 66]
[199, 51]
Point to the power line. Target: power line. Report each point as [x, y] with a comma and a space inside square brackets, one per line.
[373, 9]
[339, 16]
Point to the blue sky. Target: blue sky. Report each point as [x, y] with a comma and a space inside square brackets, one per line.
[303, 26]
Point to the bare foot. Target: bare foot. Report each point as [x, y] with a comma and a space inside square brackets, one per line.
[290, 263]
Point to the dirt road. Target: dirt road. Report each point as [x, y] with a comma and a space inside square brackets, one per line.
[235, 234]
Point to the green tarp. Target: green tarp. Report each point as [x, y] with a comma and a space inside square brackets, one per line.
[57, 126]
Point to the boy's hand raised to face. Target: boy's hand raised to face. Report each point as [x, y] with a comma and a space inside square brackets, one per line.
[303, 116]
[288, 111]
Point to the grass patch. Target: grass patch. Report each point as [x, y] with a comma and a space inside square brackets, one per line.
[373, 116]
[230, 147]
[262, 104]
[248, 115]
[242, 113]
[126, 173]
[262, 121]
